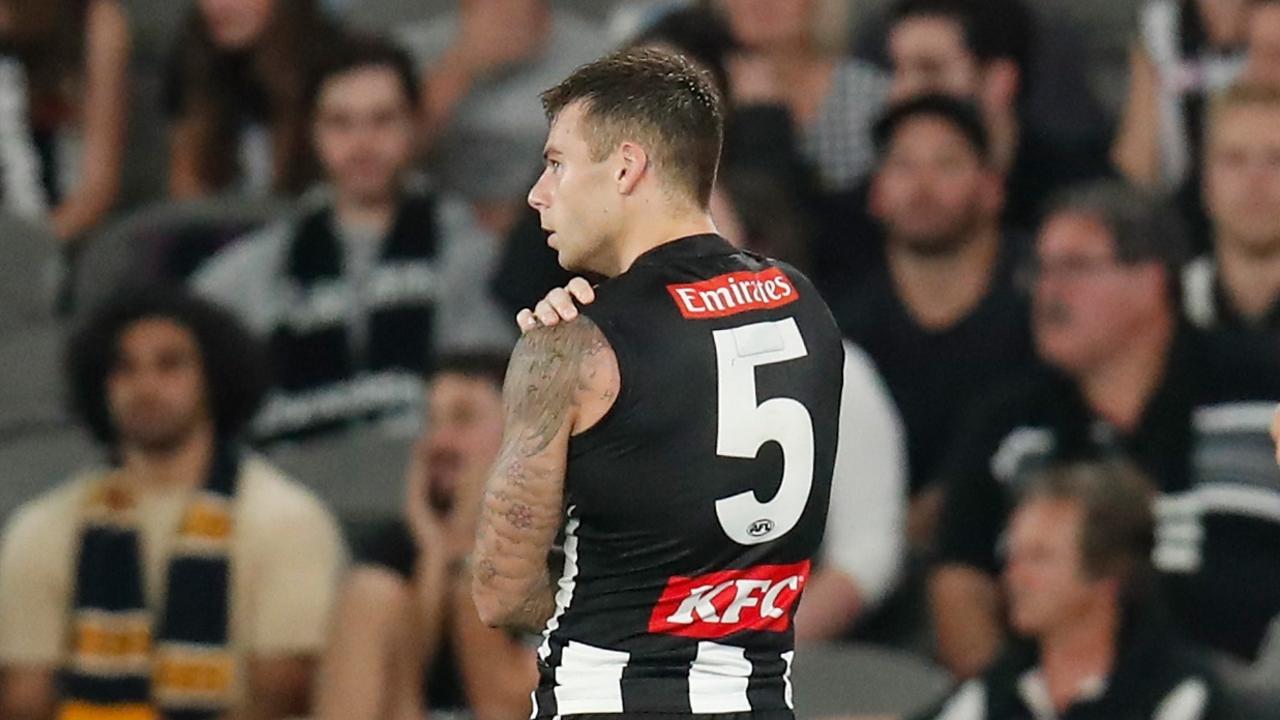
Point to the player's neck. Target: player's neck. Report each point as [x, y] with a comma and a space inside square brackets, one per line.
[940, 289]
[184, 466]
[659, 228]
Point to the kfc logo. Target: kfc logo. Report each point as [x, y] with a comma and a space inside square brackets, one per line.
[719, 604]
[734, 293]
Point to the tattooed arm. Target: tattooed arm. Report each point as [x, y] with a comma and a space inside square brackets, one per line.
[561, 381]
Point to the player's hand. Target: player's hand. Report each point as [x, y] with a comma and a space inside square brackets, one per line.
[561, 304]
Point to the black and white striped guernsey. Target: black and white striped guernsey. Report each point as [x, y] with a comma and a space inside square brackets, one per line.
[695, 506]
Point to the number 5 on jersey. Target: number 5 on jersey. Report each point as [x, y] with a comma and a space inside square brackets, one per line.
[745, 426]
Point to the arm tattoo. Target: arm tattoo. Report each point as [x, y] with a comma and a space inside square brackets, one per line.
[551, 370]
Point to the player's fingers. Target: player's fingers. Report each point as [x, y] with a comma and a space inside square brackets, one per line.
[526, 320]
[581, 290]
[545, 313]
[562, 303]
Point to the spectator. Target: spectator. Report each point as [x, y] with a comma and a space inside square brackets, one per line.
[1186, 49]
[235, 96]
[940, 317]
[63, 89]
[407, 606]
[1238, 288]
[486, 64]
[1126, 378]
[785, 61]
[108, 581]
[1077, 579]
[357, 293]
[1262, 57]
[980, 50]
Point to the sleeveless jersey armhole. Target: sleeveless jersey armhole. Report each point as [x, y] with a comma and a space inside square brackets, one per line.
[621, 355]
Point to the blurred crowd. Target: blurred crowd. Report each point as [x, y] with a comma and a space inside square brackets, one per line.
[249, 230]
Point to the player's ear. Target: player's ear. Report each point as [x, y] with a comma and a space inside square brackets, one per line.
[633, 163]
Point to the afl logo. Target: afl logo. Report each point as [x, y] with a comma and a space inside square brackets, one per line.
[760, 528]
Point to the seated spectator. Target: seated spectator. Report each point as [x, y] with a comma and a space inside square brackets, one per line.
[1091, 641]
[1126, 378]
[974, 50]
[63, 96]
[485, 65]
[940, 317]
[109, 581]
[980, 50]
[357, 293]
[831, 100]
[406, 612]
[235, 95]
[1262, 54]
[1185, 50]
[1238, 287]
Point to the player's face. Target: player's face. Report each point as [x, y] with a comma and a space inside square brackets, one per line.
[932, 189]
[764, 24]
[929, 55]
[1087, 305]
[156, 388]
[1242, 176]
[577, 196]
[464, 431]
[237, 24]
[363, 132]
[1045, 578]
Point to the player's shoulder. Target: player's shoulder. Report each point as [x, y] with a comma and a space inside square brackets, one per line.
[566, 359]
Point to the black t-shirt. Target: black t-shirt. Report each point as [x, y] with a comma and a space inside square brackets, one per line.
[392, 547]
[1203, 439]
[1151, 666]
[695, 507]
[934, 376]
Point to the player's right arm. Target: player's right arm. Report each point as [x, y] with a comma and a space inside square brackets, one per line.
[561, 380]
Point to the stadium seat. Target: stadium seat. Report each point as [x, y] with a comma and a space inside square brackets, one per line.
[839, 681]
[165, 242]
[359, 473]
[33, 462]
[29, 267]
[31, 384]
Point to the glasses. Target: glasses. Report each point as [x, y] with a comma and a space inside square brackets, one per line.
[1068, 268]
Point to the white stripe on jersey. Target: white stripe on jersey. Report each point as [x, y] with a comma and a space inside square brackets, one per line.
[718, 679]
[589, 679]
[567, 583]
[788, 657]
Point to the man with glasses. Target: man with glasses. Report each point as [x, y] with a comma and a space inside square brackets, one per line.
[1126, 378]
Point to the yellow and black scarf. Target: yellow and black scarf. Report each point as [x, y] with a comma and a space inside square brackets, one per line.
[117, 670]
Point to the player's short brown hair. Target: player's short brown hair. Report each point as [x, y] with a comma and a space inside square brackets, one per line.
[655, 98]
